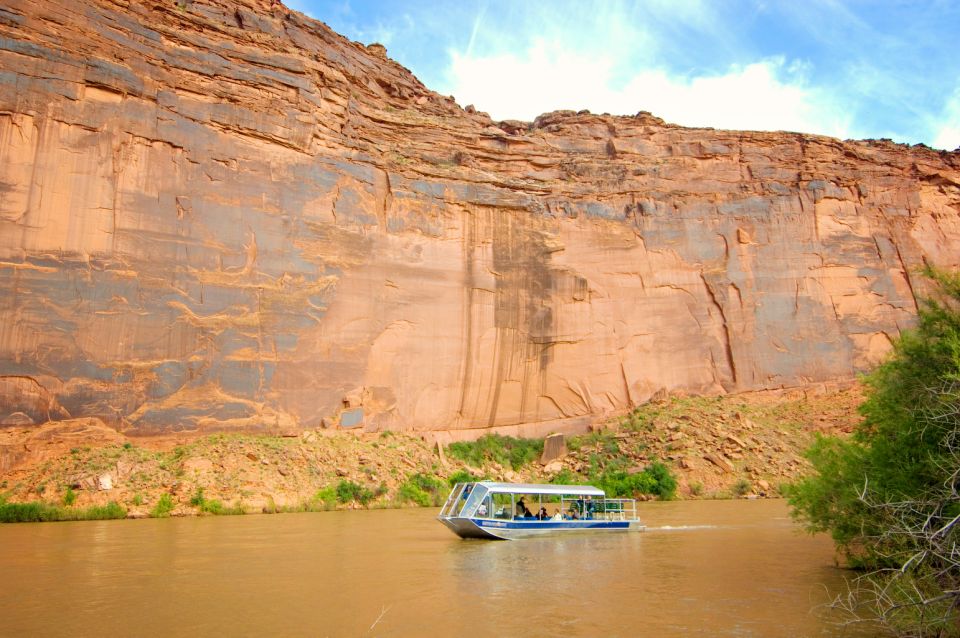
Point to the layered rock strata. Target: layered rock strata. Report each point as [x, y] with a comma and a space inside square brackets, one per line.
[222, 215]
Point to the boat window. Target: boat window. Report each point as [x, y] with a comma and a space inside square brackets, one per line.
[473, 499]
[502, 505]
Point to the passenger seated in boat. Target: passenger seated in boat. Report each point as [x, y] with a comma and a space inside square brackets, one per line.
[521, 507]
[542, 514]
[482, 510]
[572, 514]
[558, 516]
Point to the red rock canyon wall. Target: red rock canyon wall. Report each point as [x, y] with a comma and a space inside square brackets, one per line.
[221, 214]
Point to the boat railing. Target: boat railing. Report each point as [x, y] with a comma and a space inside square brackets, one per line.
[617, 509]
[606, 509]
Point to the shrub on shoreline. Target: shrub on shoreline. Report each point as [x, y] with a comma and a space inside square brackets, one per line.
[888, 495]
[423, 490]
[40, 511]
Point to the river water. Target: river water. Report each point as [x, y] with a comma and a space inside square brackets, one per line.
[710, 568]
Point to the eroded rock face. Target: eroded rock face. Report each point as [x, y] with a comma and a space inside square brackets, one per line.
[223, 215]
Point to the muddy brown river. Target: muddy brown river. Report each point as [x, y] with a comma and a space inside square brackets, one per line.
[709, 568]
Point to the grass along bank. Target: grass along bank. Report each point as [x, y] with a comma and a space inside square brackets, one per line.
[721, 447]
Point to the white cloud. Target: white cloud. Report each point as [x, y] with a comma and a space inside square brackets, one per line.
[947, 127]
[544, 79]
[764, 95]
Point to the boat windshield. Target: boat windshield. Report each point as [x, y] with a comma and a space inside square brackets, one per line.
[476, 496]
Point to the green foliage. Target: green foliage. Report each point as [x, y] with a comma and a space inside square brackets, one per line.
[27, 512]
[888, 494]
[603, 441]
[637, 421]
[656, 479]
[69, 496]
[421, 489]
[325, 499]
[565, 477]
[138, 499]
[327, 494]
[103, 512]
[37, 511]
[462, 476]
[411, 493]
[696, 488]
[504, 450]
[741, 487]
[163, 507]
[897, 453]
[211, 506]
[348, 491]
[666, 482]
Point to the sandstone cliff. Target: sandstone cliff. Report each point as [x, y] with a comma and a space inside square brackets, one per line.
[222, 215]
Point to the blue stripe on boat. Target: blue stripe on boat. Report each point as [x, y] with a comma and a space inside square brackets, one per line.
[581, 524]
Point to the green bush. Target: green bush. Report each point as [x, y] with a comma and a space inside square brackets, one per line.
[105, 512]
[411, 493]
[421, 489]
[325, 499]
[888, 495]
[656, 479]
[163, 507]
[741, 487]
[327, 494]
[197, 500]
[69, 496]
[348, 491]
[211, 506]
[504, 450]
[37, 511]
[565, 477]
[27, 512]
[666, 483]
[462, 476]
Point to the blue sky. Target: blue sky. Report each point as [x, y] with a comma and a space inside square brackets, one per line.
[855, 69]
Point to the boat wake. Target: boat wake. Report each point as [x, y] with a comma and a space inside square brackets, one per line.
[679, 528]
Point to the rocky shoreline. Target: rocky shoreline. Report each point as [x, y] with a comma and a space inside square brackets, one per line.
[717, 447]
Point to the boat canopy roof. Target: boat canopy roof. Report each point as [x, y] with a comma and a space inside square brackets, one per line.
[541, 488]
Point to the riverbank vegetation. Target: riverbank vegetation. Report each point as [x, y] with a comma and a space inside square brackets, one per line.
[674, 447]
[39, 511]
[888, 495]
